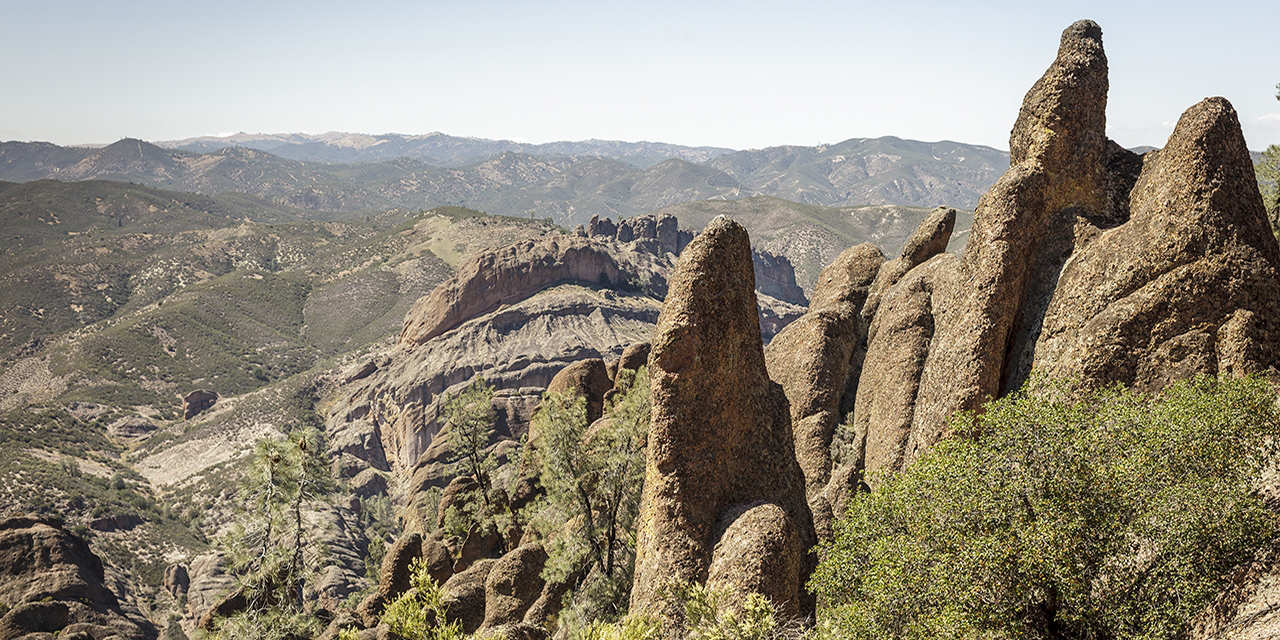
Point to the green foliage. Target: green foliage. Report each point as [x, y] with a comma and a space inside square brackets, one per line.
[593, 476]
[1053, 515]
[469, 418]
[629, 628]
[1268, 170]
[419, 613]
[710, 615]
[469, 415]
[267, 624]
[270, 548]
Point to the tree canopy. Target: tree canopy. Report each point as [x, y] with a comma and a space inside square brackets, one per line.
[1056, 515]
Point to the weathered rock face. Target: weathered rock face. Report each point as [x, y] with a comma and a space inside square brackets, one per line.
[587, 379]
[52, 582]
[814, 357]
[515, 272]
[720, 438]
[197, 402]
[1086, 262]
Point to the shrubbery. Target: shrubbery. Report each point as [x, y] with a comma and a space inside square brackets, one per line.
[1054, 515]
[592, 474]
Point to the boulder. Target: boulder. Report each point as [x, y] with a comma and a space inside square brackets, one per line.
[464, 595]
[633, 357]
[369, 483]
[197, 402]
[601, 228]
[478, 544]
[454, 495]
[758, 550]
[176, 580]
[513, 584]
[720, 435]
[53, 583]
[587, 379]
[394, 578]
[438, 557]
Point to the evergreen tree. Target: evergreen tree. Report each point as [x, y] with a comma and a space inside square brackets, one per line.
[593, 475]
[271, 548]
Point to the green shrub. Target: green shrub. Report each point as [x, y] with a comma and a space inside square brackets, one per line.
[593, 477]
[1055, 515]
[710, 615]
[629, 628]
[419, 613]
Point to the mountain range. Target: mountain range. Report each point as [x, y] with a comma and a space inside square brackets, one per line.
[567, 182]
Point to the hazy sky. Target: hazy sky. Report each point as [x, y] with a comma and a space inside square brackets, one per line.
[738, 74]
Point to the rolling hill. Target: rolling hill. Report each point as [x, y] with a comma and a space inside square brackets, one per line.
[568, 189]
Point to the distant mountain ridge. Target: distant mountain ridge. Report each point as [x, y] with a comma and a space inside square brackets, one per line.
[436, 148]
[569, 189]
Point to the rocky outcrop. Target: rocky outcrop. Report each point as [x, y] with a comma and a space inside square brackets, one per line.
[513, 584]
[776, 277]
[588, 379]
[197, 402]
[517, 349]
[720, 440]
[814, 359]
[131, 427]
[512, 273]
[664, 228]
[1187, 285]
[394, 577]
[53, 583]
[1086, 262]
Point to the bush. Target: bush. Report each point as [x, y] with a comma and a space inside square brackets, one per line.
[419, 613]
[1105, 515]
[593, 475]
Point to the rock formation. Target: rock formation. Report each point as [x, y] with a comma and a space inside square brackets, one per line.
[720, 445]
[197, 402]
[588, 379]
[814, 359]
[1085, 262]
[54, 584]
[493, 278]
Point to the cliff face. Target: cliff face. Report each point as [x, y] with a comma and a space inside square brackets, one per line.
[516, 316]
[1086, 262]
[723, 494]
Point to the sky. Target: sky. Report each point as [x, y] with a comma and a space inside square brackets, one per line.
[739, 74]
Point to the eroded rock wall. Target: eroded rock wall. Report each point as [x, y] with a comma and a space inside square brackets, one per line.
[720, 443]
